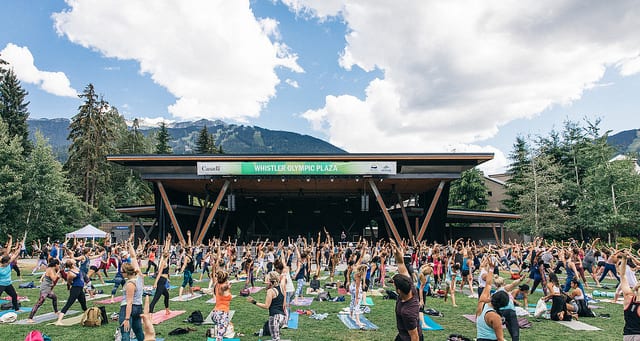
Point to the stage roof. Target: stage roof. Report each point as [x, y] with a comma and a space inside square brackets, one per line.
[416, 173]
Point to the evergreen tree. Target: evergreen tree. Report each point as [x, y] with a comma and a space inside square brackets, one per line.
[11, 179]
[205, 143]
[539, 191]
[49, 208]
[520, 165]
[93, 133]
[13, 108]
[469, 192]
[162, 140]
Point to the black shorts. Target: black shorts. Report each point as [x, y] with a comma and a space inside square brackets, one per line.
[367, 282]
[465, 273]
[94, 268]
[601, 263]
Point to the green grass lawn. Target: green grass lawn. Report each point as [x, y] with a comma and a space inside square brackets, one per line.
[249, 318]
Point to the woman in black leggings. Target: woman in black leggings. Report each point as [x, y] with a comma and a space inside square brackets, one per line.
[75, 283]
[161, 284]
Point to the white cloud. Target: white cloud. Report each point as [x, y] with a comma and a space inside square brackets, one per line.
[455, 71]
[215, 56]
[292, 82]
[22, 62]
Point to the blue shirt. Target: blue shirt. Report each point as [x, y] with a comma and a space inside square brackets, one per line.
[5, 275]
[484, 330]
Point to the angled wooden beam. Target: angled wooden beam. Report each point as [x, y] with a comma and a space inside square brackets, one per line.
[172, 215]
[432, 208]
[405, 217]
[495, 233]
[201, 218]
[385, 212]
[212, 213]
[224, 224]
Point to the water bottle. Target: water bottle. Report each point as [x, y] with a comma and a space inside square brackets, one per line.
[260, 334]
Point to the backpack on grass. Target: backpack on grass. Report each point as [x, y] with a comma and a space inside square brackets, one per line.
[92, 317]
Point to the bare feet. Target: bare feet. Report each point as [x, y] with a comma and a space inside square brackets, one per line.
[167, 312]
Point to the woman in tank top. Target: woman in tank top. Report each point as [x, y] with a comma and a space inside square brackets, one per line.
[489, 322]
[49, 281]
[222, 293]
[274, 302]
[130, 317]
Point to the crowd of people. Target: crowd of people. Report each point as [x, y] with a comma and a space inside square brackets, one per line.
[501, 277]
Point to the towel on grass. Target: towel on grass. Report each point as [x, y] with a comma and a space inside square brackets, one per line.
[351, 323]
[578, 325]
[186, 297]
[108, 301]
[302, 301]
[71, 321]
[293, 320]
[161, 316]
[431, 324]
[45, 317]
[254, 290]
[22, 310]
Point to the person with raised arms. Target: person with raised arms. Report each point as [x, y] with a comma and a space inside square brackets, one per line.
[488, 320]
[407, 304]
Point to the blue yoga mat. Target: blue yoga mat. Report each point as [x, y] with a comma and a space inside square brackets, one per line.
[293, 320]
[23, 310]
[431, 324]
[351, 323]
[368, 301]
[3, 301]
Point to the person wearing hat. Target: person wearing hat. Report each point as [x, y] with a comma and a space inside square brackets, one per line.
[6, 285]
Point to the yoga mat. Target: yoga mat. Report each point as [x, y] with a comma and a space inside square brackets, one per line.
[578, 325]
[71, 321]
[108, 301]
[4, 301]
[293, 320]
[171, 287]
[22, 310]
[20, 298]
[302, 301]
[342, 291]
[351, 323]
[431, 324]
[45, 317]
[375, 293]
[157, 339]
[254, 290]
[97, 297]
[608, 300]
[102, 285]
[38, 273]
[368, 301]
[185, 298]
[160, 316]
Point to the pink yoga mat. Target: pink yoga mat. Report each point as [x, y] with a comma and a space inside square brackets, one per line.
[161, 316]
[302, 301]
[108, 301]
[254, 290]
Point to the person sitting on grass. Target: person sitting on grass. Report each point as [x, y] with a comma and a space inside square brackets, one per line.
[559, 311]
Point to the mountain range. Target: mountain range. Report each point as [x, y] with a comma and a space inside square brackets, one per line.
[234, 139]
[241, 139]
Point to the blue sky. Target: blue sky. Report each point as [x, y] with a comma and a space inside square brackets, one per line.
[374, 76]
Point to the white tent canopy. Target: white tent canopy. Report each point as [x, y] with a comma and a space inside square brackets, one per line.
[88, 231]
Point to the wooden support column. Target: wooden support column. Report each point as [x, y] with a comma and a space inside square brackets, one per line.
[405, 217]
[202, 212]
[502, 233]
[495, 233]
[224, 224]
[172, 215]
[417, 225]
[212, 213]
[385, 212]
[432, 208]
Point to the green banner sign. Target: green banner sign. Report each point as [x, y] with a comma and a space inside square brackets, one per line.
[297, 168]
